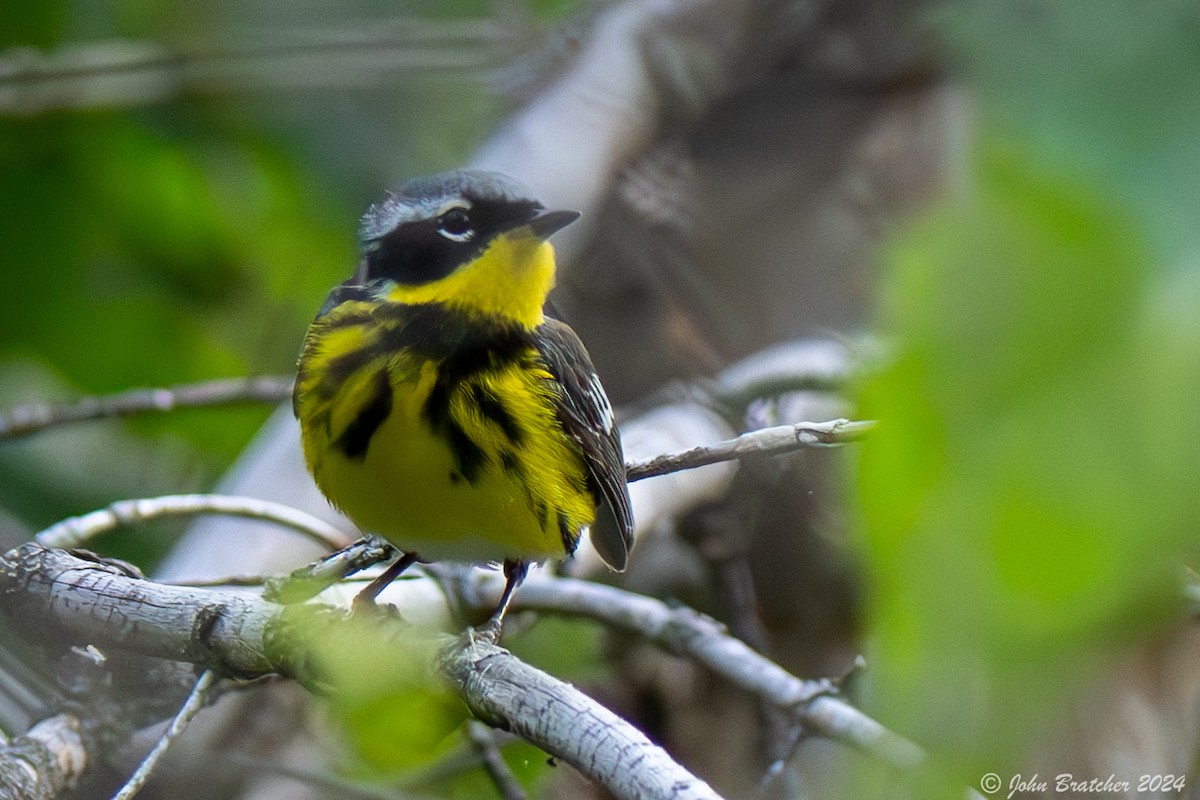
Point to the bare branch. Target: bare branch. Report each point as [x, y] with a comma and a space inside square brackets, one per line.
[505, 692]
[47, 760]
[101, 603]
[75, 531]
[483, 739]
[238, 633]
[822, 365]
[765, 442]
[688, 633]
[196, 701]
[35, 417]
[125, 72]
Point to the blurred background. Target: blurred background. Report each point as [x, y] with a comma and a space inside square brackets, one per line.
[973, 221]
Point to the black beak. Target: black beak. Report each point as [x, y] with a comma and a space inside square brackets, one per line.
[548, 222]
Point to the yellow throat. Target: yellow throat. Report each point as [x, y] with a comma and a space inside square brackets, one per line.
[511, 279]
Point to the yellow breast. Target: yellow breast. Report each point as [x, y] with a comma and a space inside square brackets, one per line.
[475, 469]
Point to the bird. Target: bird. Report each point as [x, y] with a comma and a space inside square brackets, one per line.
[442, 407]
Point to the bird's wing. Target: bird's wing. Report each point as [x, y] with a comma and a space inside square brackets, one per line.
[587, 417]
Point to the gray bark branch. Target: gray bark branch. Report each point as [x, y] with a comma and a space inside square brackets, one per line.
[47, 760]
[766, 442]
[506, 692]
[76, 531]
[238, 634]
[687, 633]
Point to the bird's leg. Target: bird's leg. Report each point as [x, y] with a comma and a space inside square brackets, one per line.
[366, 598]
[514, 573]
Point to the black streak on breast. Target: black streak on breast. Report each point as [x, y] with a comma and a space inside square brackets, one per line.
[355, 440]
[469, 458]
[492, 408]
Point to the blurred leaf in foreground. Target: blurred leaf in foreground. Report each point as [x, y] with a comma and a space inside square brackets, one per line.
[395, 711]
[1029, 493]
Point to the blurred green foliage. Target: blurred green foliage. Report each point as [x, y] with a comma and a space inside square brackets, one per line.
[151, 248]
[31, 24]
[396, 712]
[1030, 491]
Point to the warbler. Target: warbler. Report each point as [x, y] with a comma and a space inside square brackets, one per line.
[441, 408]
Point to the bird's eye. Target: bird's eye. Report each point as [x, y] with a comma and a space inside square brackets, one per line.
[455, 225]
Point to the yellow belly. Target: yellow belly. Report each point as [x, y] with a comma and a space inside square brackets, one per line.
[407, 488]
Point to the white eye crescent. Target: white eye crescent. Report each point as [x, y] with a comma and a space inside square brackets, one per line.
[455, 225]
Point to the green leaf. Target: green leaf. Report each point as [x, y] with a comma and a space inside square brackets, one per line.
[1027, 495]
[395, 711]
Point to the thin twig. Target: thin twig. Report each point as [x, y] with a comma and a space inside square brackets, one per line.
[133, 72]
[230, 581]
[28, 419]
[483, 739]
[187, 712]
[75, 531]
[765, 442]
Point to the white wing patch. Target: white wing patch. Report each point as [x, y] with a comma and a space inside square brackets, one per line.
[601, 402]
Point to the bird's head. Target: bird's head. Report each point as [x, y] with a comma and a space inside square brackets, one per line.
[471, 239]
